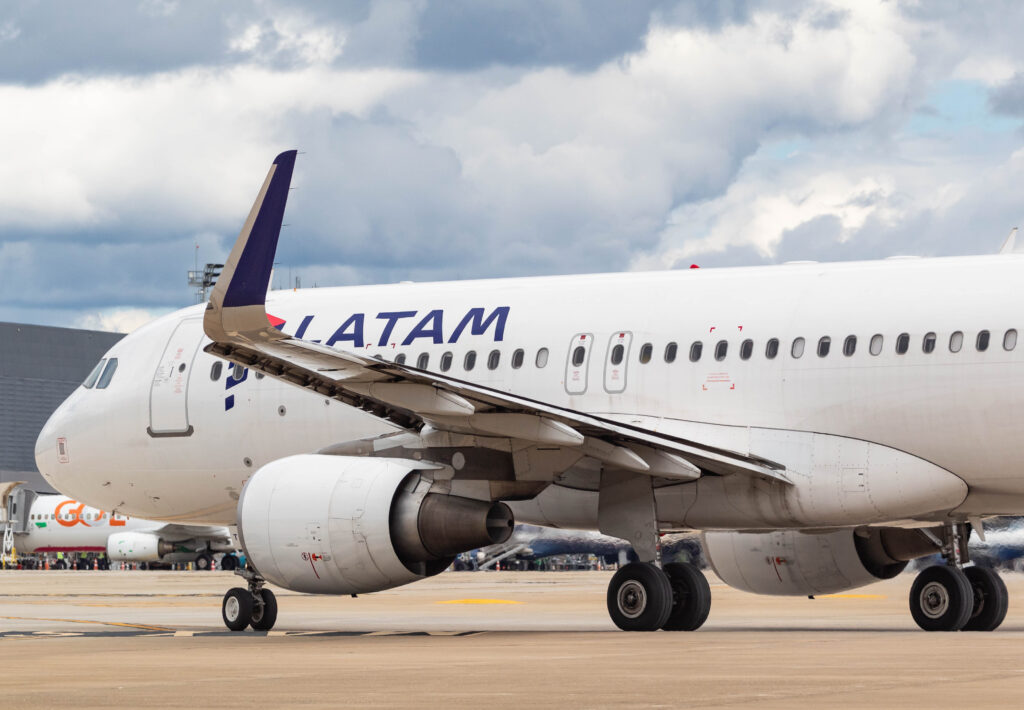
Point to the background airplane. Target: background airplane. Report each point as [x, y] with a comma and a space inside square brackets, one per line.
[37, 524]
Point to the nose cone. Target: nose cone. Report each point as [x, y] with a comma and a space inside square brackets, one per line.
[52, 457]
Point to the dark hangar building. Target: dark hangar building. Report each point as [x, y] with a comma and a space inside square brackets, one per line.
[39, 367]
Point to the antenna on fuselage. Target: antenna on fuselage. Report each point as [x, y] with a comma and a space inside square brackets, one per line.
[1011, 239]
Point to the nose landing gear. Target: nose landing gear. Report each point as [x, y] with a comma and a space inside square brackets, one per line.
[254, 606]
[955, 598]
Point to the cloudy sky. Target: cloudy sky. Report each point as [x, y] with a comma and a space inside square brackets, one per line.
[463, 139]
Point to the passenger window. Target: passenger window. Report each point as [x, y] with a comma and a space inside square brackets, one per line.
[423, 361]
[578, 355]
[771, 348]
[542, 358]
[238, 372]
[646, 350]
[216, 370]
[517, 358]
[446, 362]
[746, 349]
[108, 374]
[1010, 339]
[91, 379]
[982, 342]
[850, 345]
[902, 343]
[400, 359]
[797, 350]
[928, 344]
[695, 350]
[824, 345]
[493, 359]
[617, 353]
[469, 362]
[670, 352]
[721, 350]
[875, 346]
[956, 341]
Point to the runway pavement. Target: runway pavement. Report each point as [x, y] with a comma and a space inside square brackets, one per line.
[504, 639]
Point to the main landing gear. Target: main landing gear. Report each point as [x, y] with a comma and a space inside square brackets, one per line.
[645, 597]
[951, 597]
[253, 606]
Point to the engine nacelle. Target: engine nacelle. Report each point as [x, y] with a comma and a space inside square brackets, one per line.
[137, 547]
[353, 525]
[792, 563]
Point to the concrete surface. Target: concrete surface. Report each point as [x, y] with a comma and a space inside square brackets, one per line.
[507, 639]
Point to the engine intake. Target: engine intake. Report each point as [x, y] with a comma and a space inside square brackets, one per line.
[351, 525]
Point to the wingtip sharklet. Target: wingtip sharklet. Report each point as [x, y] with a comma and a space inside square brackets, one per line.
[246, 274]
[248, 283]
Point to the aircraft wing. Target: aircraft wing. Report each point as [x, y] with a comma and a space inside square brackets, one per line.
[237, 323]
[174, 532]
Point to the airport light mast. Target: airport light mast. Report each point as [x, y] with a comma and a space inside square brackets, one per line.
[204, 280]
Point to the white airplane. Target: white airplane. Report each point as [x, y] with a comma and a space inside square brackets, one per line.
[823, 424]
[44, 524]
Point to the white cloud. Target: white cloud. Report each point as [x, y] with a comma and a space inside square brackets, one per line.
[117, 320]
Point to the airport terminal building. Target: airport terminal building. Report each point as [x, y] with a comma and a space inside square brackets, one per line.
[39, 367]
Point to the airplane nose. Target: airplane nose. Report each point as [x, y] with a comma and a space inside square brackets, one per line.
[52, 453]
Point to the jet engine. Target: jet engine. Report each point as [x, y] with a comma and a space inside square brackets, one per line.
[794, 563]
[351, 525]
[137, 547]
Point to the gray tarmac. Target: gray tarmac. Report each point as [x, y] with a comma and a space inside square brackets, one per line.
[498, 639]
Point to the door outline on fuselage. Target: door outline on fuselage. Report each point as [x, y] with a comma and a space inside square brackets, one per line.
[615, 375]
[168, 391]
[576, 375]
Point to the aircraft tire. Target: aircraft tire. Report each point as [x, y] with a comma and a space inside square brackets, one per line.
[991, 599]
[236, 609]
[640, 597]
[941, 599]
[204, 562]
[691, 597]
[264, 613]
[229, 563]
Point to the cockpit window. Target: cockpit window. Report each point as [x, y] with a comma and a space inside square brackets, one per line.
[91, 379]
[108, 374]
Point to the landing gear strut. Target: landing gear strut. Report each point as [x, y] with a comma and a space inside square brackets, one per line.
[954, 598]
[254, 606]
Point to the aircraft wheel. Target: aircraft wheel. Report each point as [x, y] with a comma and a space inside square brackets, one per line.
[236, 609]
[640, 597]
[228, 563]
[941, 599]
[990, 599]
[691, 597]
[264, 612]
[204, 562]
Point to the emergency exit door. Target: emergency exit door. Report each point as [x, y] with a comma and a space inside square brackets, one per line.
[168, 396]
[576, 364]
[616, 363]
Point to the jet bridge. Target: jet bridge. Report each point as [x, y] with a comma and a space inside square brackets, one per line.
[15, 503]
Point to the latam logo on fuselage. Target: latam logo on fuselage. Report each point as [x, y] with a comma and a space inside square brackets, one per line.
[356, 330]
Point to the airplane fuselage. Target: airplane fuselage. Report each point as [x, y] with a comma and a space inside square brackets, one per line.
[938, 388]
